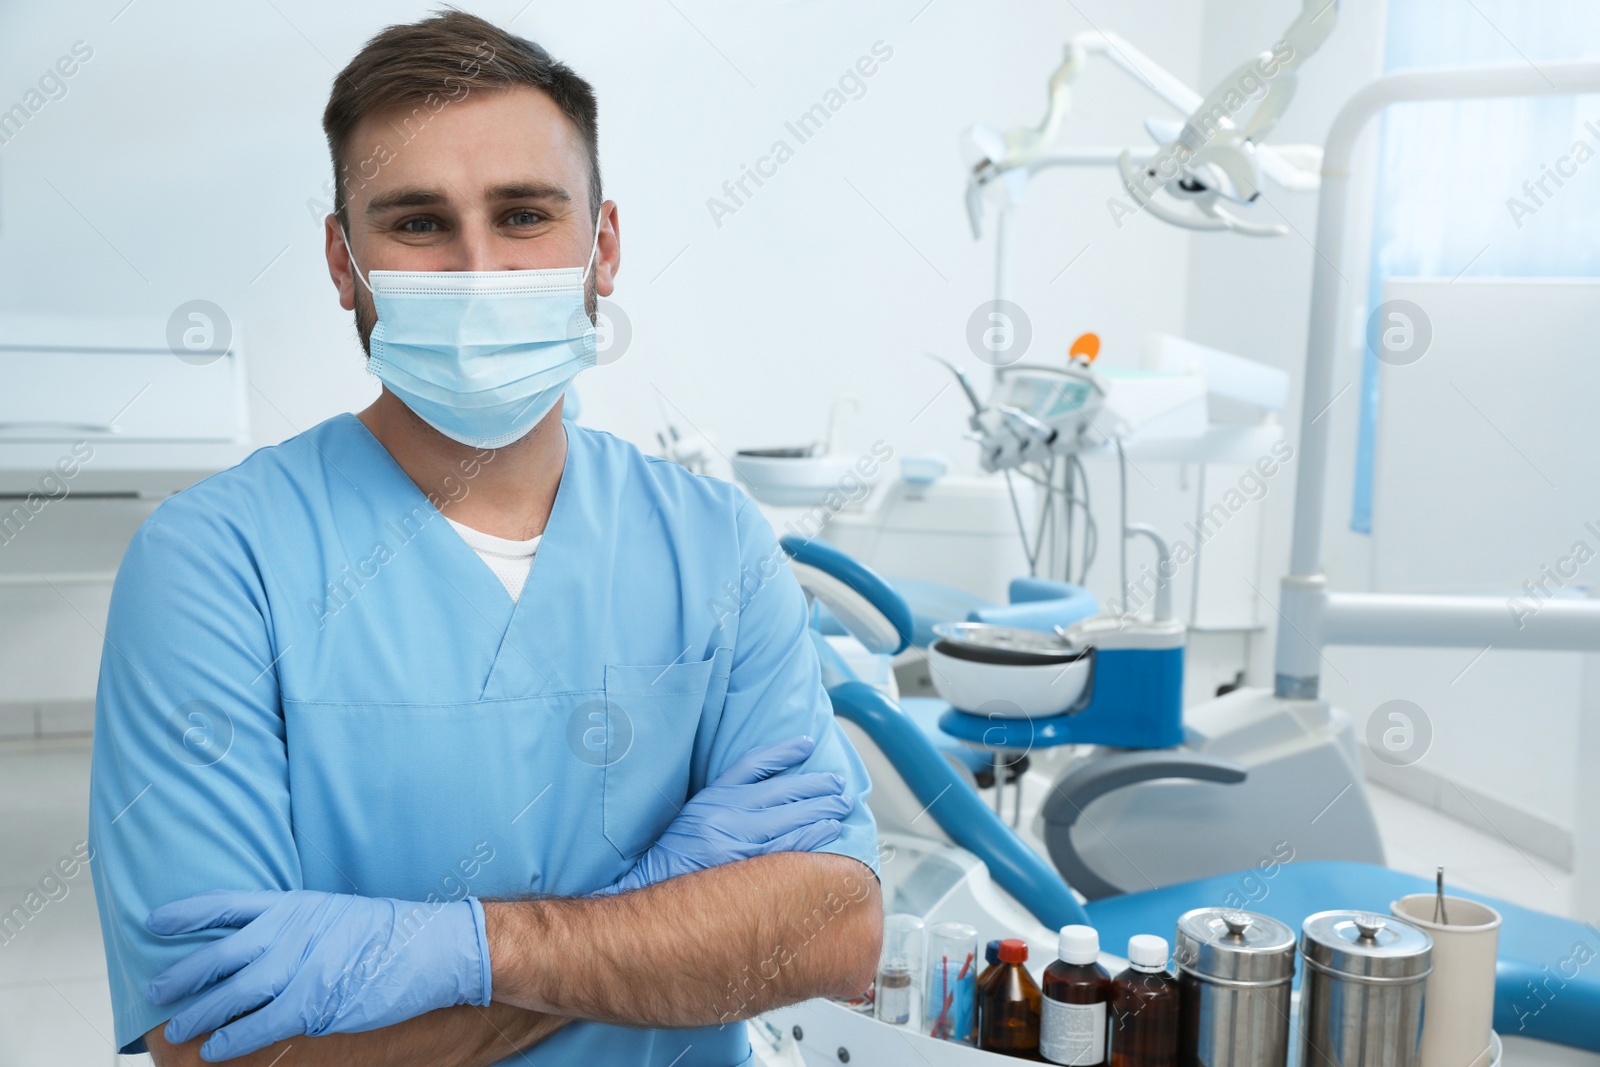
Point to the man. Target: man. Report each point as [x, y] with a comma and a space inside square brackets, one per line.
[375, 788]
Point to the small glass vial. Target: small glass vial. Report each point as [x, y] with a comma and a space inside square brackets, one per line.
[1076, 993]
[1008, 1005]
[951, 999]
[1144, 1007]
[899, 969]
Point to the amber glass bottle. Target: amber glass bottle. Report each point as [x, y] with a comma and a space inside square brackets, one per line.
[1144, 1008]
[1008, 1005]
[1076, 993]
[991, 959]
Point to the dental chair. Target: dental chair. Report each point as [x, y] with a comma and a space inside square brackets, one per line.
[1535, 996]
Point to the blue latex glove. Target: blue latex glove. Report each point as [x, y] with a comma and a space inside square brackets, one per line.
[752, 809]
[316, 963]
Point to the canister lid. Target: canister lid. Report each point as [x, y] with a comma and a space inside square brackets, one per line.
[1366, 945]
[1234, 946]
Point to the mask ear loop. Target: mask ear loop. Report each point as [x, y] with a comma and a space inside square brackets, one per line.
[594, 246]
[354, 266]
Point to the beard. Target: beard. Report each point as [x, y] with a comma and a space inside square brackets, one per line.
[366, 319]
[367, 314]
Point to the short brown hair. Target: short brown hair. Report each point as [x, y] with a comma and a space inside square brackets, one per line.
[440, 60]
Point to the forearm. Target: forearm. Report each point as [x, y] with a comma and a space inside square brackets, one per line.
[711, 947]
[464, 1036]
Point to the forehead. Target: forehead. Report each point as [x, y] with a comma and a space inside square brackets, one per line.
[465, 146]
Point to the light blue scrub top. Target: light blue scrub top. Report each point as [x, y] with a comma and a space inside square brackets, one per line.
[311, 681]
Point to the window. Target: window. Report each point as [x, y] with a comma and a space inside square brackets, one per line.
[1505, 188]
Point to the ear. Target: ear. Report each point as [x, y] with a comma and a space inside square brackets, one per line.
[340, 269]
[608, 256]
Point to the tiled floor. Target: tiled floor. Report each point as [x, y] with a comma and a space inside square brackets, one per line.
[54, 1005]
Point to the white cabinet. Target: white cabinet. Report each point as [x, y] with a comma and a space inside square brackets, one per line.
[151, 417]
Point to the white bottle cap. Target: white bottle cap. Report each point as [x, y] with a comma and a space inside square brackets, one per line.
[1079, 944]
[1147, 952]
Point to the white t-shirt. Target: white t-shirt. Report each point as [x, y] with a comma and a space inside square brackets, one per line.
[510, 560]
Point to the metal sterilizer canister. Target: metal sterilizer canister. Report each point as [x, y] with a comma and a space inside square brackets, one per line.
[1234, 974]
[1362, 991]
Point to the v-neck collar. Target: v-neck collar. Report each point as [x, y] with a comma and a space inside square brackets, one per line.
[484, 591]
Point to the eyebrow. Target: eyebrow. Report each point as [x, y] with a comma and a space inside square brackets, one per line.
[422, 197]
[530, 190]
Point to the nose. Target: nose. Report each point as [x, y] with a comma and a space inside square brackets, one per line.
[480, 248]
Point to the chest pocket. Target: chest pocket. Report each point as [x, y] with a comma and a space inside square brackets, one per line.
[644, 740]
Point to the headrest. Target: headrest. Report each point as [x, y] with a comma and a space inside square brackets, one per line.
[859, 597]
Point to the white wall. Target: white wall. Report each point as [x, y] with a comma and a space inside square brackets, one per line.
[186, 161]
[191, 147]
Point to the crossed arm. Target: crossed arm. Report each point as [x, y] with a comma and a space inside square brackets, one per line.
[736, 940]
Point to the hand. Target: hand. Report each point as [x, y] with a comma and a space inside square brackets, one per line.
[747, 812]
[316, 963]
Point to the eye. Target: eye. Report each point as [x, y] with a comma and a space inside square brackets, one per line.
[419, 225]
[524, 217]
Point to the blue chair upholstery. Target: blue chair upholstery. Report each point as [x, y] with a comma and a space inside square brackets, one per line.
[934, 602]
[1040, 604]
[1036, 604]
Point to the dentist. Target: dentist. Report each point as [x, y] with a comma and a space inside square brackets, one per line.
[452, 729]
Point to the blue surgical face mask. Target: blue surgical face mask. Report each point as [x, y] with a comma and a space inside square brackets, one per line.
[481, 356]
